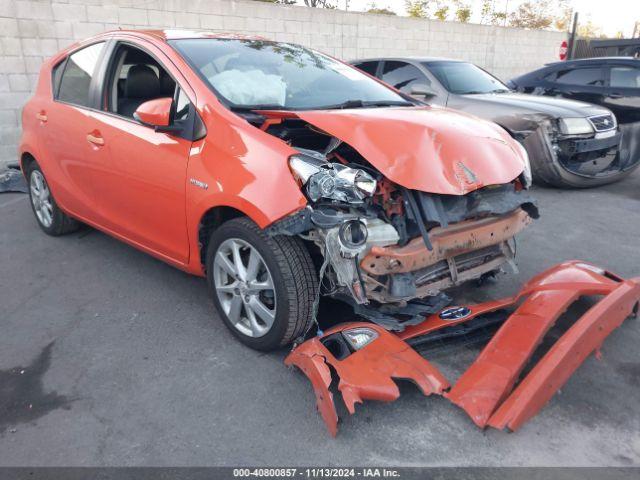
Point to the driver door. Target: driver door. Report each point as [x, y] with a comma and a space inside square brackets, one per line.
[141, 189]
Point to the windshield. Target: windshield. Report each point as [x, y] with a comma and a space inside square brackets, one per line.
[465, 78]
[264, 74]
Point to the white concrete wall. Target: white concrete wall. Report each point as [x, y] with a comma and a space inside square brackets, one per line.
[33, 30]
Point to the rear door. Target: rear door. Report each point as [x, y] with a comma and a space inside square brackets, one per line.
[584, 83]
[623, 92]
[143, 180]
[72, 161]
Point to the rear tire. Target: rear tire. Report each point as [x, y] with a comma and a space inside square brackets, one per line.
[50, 218]
[274, 307]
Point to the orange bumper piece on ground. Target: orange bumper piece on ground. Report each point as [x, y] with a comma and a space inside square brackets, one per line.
[488, 390]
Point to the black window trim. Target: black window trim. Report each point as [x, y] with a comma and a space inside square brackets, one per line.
[377, 72]
[109, 72]
[55, 88]
[94, 78]
[561, 68]
[194, 128]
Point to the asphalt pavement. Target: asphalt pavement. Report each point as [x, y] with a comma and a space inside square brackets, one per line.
[110, 357]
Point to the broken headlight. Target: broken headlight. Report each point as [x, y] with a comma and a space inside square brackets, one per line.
[359, 337]
[575, 126]
[526, 177]
[332, 181]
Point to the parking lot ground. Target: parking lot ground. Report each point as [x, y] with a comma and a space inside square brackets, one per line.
[110, 357]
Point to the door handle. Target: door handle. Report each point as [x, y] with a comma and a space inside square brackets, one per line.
[42, 116]
[95, 139]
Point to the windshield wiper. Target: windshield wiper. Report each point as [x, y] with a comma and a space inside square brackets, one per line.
[367, 104]
[500, 90]
[264, 106]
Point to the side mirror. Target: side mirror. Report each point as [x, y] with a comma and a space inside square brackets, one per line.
[156, 113]
[422, 90]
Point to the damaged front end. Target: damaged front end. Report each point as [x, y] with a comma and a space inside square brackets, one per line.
[363, 360]
[387, 249]
[576, 152]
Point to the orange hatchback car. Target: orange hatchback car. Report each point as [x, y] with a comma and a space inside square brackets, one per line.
[279, 173]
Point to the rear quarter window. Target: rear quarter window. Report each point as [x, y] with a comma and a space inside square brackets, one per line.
[368, 67]
[591, 76]
[56, 76]
[625, 77]
[79, 69]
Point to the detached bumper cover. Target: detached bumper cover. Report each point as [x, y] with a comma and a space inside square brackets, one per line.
[364, 375]
[488, 391]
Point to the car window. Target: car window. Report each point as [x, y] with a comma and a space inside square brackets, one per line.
[56, 76]
[182, 107]
[403, 75]
[464, 78]
[369, 67]
[78, 72]
[625, 77]
[251, 74]
[136, 77]
[578, 76]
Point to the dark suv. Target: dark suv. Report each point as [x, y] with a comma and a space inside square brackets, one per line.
[613, 82]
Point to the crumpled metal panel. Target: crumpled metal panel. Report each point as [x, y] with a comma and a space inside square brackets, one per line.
[366, 374]
[485, 390]
[562, 360]
[488, 391]
[442, 151]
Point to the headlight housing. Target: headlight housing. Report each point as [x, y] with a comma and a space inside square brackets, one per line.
[359, 337]
[332, 181]
[526, 177]
[575, 126]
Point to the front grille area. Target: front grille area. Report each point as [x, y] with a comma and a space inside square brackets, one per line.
[450, 270]
[603, 122]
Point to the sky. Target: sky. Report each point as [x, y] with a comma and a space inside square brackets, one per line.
[610, 15]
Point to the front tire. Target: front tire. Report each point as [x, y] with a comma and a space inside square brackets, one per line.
[50, 218]
[263, 286]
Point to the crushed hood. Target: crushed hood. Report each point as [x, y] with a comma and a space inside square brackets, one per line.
[430, 149]
[490, 105]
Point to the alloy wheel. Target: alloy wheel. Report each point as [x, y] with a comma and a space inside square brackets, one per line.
[244, 286]
[41, 198]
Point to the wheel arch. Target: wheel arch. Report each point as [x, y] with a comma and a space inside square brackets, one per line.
[26, 160]
[209, 221]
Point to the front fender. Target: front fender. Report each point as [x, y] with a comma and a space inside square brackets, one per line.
[239, 170]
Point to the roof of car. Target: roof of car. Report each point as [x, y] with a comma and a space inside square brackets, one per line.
[409, 59]
[594, 60]
[176, 34]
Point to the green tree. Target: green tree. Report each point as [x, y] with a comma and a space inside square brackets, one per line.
[441, 12]
[417, 8]
[462, 11]
[563, 20]
[489, 15]
[373, 8]
[540, 14]
[279, 2]
[589, 30]
[319, 3]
